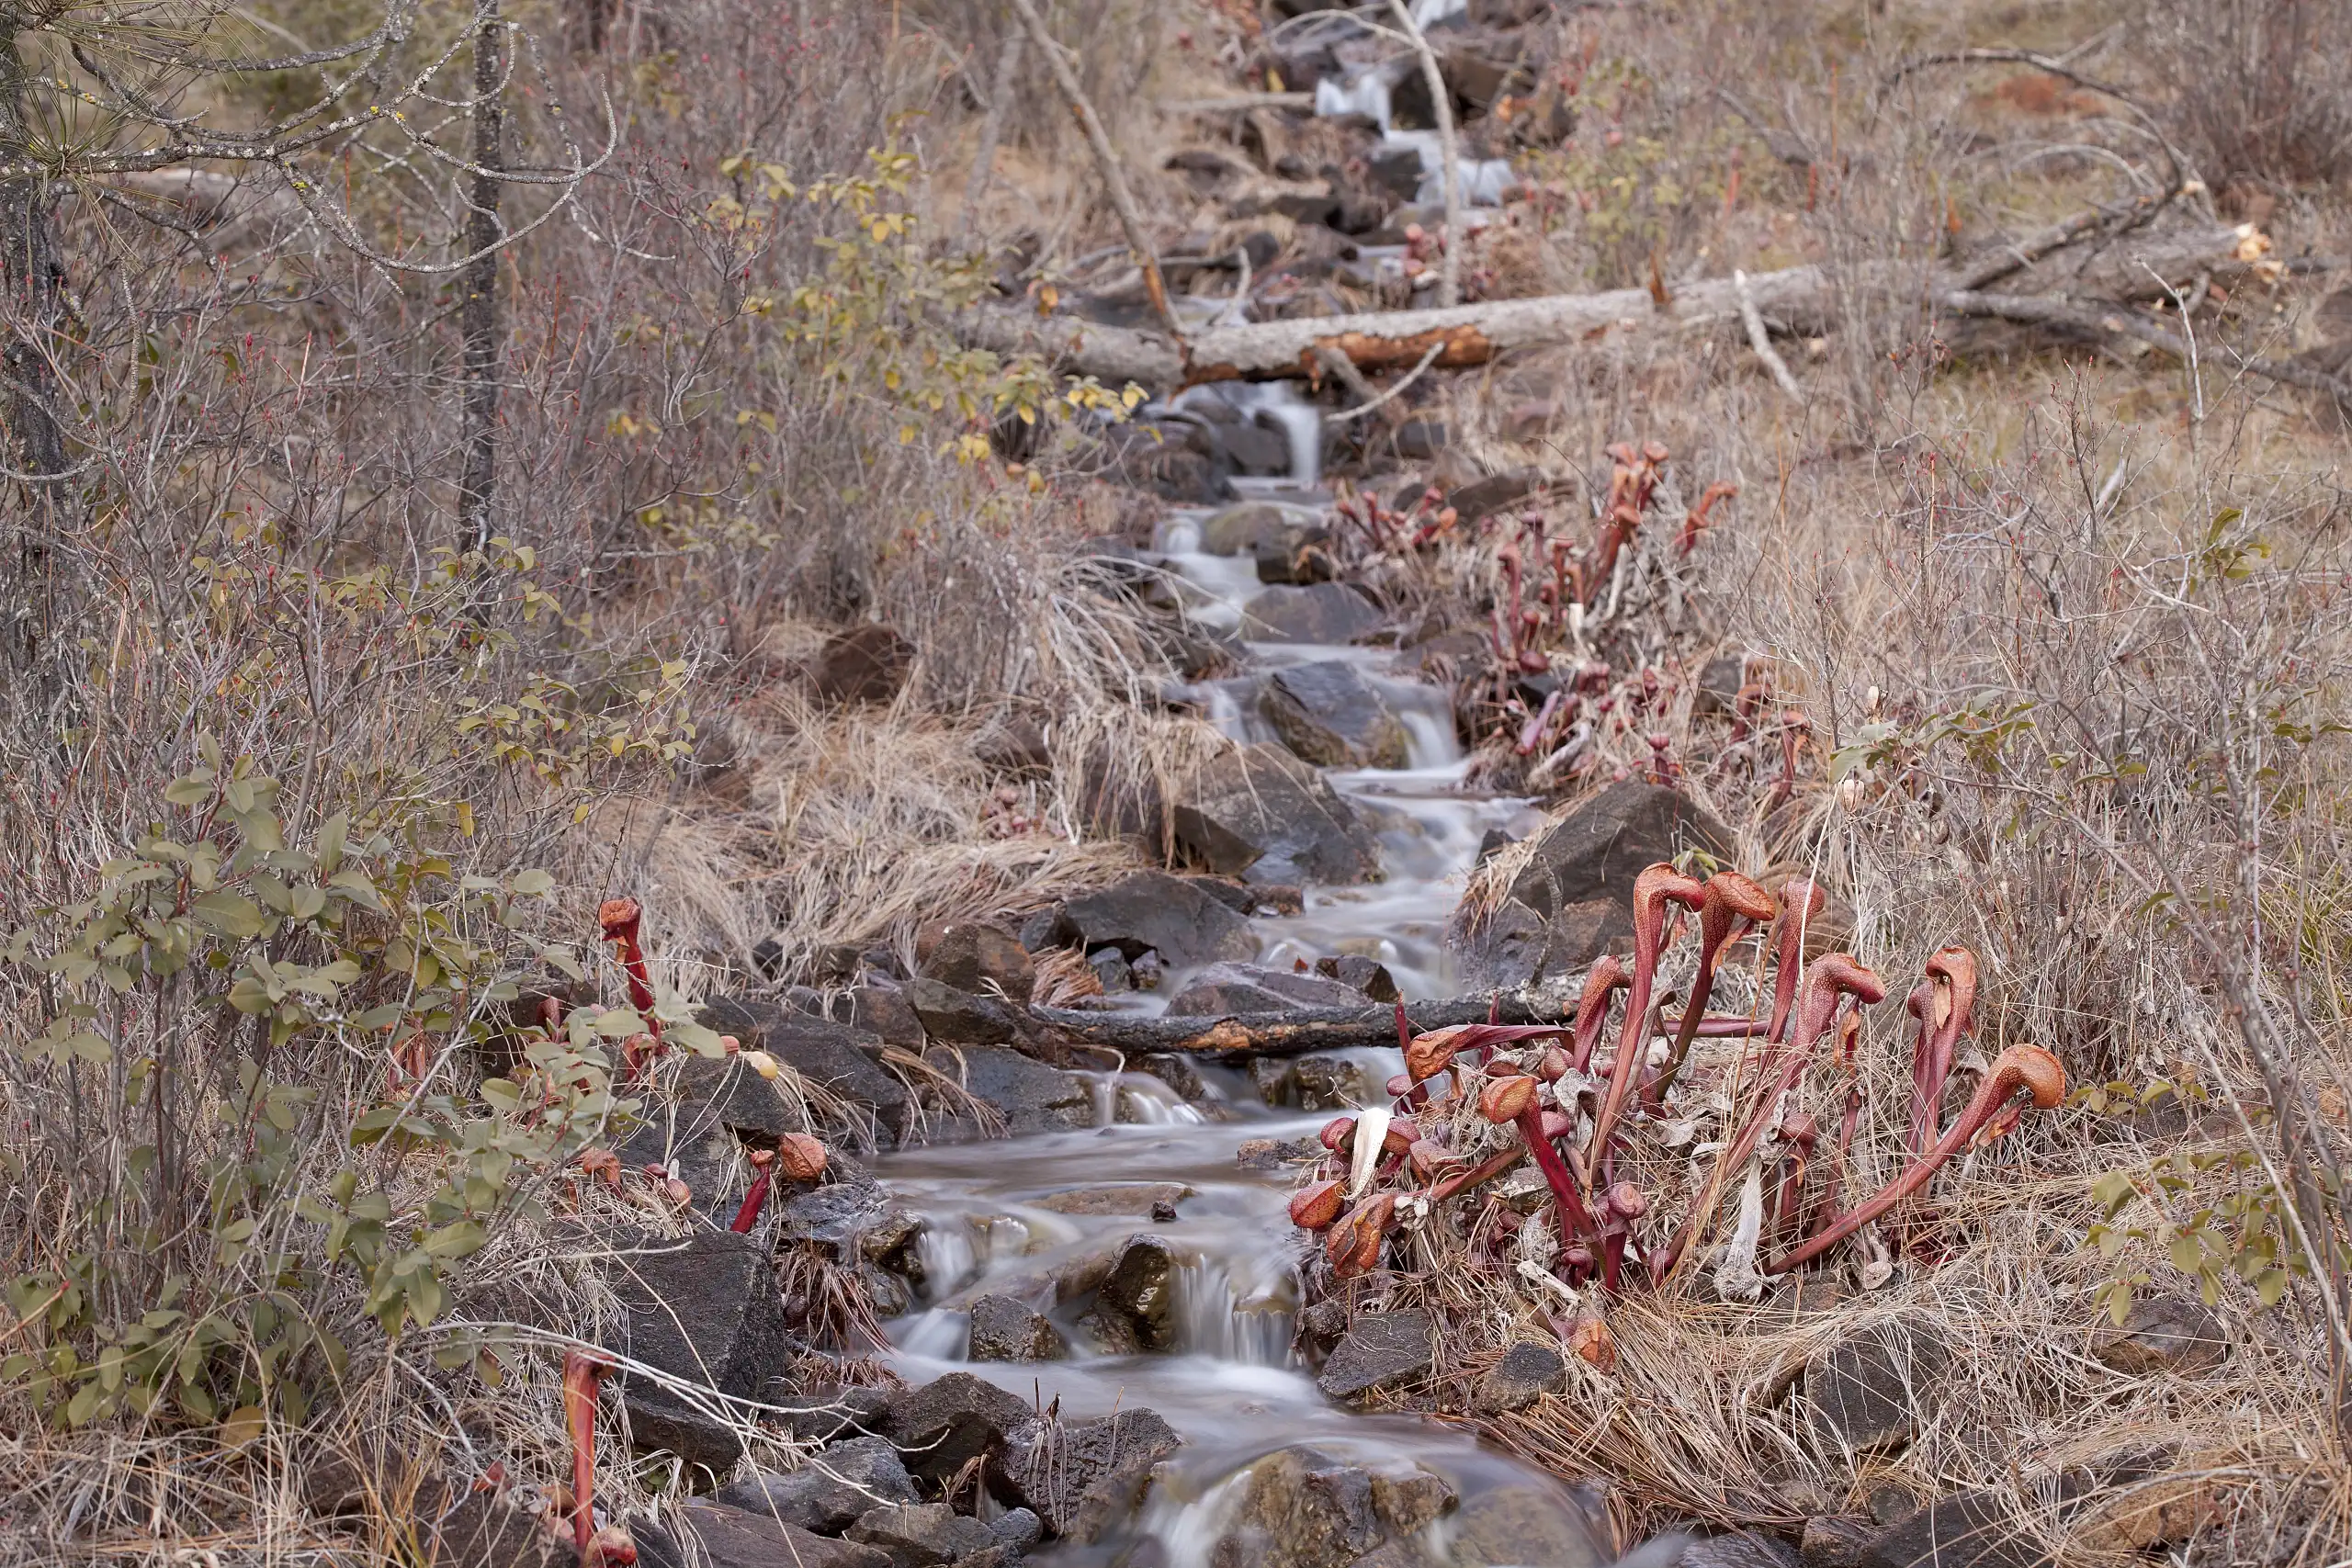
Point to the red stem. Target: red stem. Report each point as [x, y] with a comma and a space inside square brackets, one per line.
[747, 1214]
[582, 1370]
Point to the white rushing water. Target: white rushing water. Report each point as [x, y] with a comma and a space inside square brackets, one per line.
[1232, 1385]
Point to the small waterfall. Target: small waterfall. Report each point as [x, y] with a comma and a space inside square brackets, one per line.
[1301, 420]
[1215, 1321]
[936, 1334]
[1146, 1102]
[947, 1258]
[1188, 1532]
[1102, 1095]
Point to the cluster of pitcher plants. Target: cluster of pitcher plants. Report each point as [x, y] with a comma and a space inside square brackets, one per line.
[1599, 1110]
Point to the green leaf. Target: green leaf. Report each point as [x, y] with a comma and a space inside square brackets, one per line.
[462, 1239]
[534, 883]
[231, 914]
[191, 789]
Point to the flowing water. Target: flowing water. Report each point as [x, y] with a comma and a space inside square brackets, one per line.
[1231, 1385]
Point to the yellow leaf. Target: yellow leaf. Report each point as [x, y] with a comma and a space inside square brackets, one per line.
[762, 1063]
[242, 1426]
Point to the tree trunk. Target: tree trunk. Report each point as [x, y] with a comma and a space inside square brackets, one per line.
[1238, 1036]
[478, 317]
[34, 276]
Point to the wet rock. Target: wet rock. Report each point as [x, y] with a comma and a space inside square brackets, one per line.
[1297, 556]
[1170, 915]
[1030, 1095]
[1079, 1477]
[1323, 613]
[1382, 1350]
[1573, 896]
[1969, 1529]
[1135, 1309]
[1329, 715]
[947, 1423]
[923, 1535]
[1309, 1083]
[1018, 1529]
[1305, 1509]
[1006, 1330]
[1110, 966]
[1866, 1391]
[829, 1492]
[864, 664]
[1273, 1154]
[1527, 1525]
[1121, 1198]
[1526, 1373]
[974, 956]
[1261, 814]
[1357, 973]
[704, 1534]
[2163, 1332]
[1176, 1070]
[831, 1055]
[1834, 1540]
[1237, 530]
[1146, 971]
[704, 1311]
[1224, 988]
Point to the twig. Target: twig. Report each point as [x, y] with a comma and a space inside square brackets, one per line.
[1106, 163]
[1410, 376]
[1007, 60]
[1448, 277]
[1761, 342]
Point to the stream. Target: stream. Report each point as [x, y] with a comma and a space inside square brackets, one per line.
[1232, 1386]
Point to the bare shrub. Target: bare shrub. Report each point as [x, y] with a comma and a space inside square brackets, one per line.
[2261, 89]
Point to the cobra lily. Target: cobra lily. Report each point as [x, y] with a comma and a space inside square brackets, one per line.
[1800, 1132]
[1800, 900]
[583, 1372]
[1607, 976]
[1657, 887]
[619, 920]
[1353, 1245]
[1730, 902]
[1828, 982]
[800, 1157]
[1949, 1012]
[1518, 1101]
[1315, 1207]
[1620, 1209]
[2020, 1069]
[1696, 523]
[747, 1214]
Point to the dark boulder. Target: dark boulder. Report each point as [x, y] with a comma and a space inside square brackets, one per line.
[1866, 1391]
[831, 1055]
[1261, 814]
[829, 1492]
[924, 1535]
[1249, 987]
[1134, 1308]
[1329, 715]
[1527, 1372]
[1382, 1350]
[1573, 896]
[1325, 614]
[1357, 973]
[1968, 1529]
[1029, 1095]
[974, 956]
[704, 1534]
[1172, 915]
[945, 1423]
[864, 664]
[704, 1311]
[2163, 1332]
[1003, 1329]
[1081, 1476]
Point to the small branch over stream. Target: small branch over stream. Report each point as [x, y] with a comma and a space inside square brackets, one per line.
[1295, 1033]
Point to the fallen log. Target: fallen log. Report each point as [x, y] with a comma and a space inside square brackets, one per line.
[1796, 299]
[1238, 1036]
